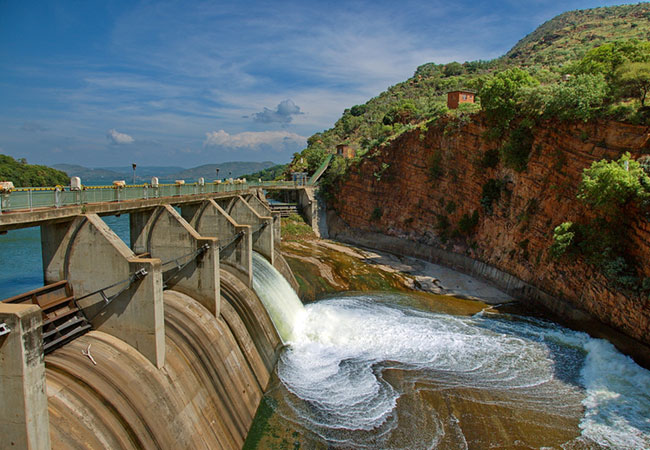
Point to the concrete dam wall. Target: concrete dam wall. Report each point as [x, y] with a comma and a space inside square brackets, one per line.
[205, 396]
[162, 343]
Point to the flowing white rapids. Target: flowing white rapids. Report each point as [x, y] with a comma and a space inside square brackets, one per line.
[277, 295]
[336, 369]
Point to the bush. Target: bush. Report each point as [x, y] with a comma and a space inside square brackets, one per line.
[377, 213]
[577, 99]
[609, 185]
[468, 223]
[491, 192]
[563, 236]
[516, 151]
[436, 170]
[490, 159]
[499, 95]
[358, 110]
[452, 69]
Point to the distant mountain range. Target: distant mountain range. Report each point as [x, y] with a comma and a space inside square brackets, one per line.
[232, 169]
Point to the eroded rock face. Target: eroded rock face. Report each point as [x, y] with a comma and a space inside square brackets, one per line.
[395, 194]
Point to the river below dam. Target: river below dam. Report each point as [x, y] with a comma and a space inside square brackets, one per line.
[377, 370]
[410, 371]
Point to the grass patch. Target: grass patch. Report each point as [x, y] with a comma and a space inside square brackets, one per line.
[294, 227]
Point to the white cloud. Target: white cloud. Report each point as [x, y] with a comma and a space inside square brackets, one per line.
[118, 138]
[254, 139]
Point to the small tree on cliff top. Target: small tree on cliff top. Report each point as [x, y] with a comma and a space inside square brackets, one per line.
[499, 95]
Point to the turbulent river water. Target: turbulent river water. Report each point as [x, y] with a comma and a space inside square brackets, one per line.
[370, 371]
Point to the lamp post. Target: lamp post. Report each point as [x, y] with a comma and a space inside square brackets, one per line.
[133, 172]
[217, 169]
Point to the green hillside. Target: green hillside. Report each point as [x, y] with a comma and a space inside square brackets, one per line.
[554, 49]
[570, 35]
[22, 174]
[270, 174]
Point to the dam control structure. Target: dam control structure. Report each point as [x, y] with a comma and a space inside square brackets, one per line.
[160, 344]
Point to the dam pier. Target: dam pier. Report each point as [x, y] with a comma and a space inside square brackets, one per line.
[162, 343]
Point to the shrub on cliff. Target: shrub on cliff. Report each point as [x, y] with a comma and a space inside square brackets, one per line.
[634, 80]
[491, 192]
[467, 223]
[608, 58]
[563, 236]
[516, 150]
[610, 185]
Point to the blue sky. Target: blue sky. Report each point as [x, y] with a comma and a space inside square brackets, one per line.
[108, 83]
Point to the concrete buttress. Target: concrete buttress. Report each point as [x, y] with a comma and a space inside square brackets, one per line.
[24, 422]
[263, 231]
[236, 244]
[190, 261]
[99, 266]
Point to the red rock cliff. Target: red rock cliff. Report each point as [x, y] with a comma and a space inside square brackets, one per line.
[393, 193]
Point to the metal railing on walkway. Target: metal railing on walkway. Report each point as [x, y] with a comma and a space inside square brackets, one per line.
[31, 198]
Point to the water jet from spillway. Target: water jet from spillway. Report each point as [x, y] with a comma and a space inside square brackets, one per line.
[277, 295]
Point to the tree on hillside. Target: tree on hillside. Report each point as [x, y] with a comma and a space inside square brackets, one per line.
[24, 175]
[634, 79]
[499, 95]
[608, 58]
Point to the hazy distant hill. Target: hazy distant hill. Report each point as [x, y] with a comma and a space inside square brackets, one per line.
[229, 169]
[144, 173]
[88, 175]
[147, 171]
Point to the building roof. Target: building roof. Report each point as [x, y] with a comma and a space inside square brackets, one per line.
[464, 91]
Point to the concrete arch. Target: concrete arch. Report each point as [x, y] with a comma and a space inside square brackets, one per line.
[205, 397]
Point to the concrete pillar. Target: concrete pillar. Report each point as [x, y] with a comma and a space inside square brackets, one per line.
[24, 421]
[235, 240]
[263, 234]
[164, 234]
[90, 256]
[263, 209]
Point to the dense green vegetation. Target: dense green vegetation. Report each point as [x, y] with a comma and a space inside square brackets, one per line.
[569, 36]
[577, 66]
[271, 174]
[26, 175]
[610, 188]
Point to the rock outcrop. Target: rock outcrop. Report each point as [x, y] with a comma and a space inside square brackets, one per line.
[396, 193]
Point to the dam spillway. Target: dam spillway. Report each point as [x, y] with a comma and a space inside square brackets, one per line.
[277, 295]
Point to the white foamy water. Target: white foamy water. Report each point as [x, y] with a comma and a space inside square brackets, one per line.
[341, 348]
[277, 295]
